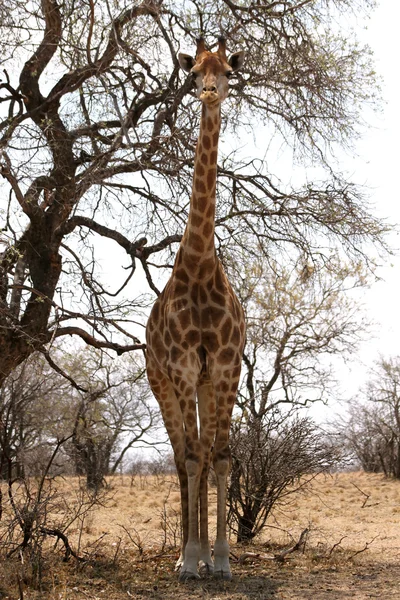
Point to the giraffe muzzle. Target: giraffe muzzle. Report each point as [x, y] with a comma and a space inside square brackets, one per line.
[209, 96]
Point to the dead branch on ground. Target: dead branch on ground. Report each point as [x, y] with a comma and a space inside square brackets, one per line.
[278, 557]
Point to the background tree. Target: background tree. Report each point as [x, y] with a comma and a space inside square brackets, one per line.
[297, 318]
[101, 417]
[97, 146]
[372, 427]
[30, 401]
[113, 414]
[273, 457]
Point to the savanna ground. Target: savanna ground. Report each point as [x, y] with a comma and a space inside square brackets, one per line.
[129, 543]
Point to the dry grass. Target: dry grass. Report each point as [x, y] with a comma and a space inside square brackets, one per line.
[352, 550]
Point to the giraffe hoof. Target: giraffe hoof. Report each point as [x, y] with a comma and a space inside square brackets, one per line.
[225, 575]
[206, 569]
[188, 575]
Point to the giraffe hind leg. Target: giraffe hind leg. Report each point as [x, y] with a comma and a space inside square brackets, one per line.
[207, 419]
[169, 405]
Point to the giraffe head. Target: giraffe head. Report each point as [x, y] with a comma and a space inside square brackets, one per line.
[211, 70]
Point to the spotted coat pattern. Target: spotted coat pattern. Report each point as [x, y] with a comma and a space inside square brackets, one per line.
[195, 337]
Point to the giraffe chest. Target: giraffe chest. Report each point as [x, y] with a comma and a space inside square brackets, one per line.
[202, 321]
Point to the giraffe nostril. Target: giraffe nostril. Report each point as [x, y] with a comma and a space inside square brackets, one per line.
[209, 88]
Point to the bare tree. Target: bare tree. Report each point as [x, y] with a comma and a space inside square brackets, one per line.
[26, 419]
[297, 317]
[273, 457]
[107, 411]
[372, 427]
[96, 152]
[114, 415]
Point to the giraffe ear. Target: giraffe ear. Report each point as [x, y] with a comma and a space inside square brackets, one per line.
[186, 62]
[236, 60]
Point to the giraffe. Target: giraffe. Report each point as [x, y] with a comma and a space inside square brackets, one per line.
[195, 337]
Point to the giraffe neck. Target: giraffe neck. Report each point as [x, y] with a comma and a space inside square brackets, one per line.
[198, 240]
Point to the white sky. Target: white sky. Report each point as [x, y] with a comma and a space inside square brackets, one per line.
[379, 157]
[377, 167]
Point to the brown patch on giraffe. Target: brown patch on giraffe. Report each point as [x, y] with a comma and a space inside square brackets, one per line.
[204, 159]
[184, 319]
[174, 438]
[201, 205]
[196, 242]
[167, 338]
[208, 229]
[191, 261]
[174, 354]
[210, 214]
[157, 342]
[210, 124]
[213, 157]
[184, 361]
[235, 337]
[194, 293]
[226, 331]
[200, 170]
[155, 388]
[206, 142]
[226, 355]
[191, 455]
[174, 330]
[215, 138]
[219, 278]
[222, 454]
[211, 175]
[224, 423]
[190, 420]
[182, 275]
[203, 298]
[180, 289]
[211, 316]
[196, 219]
[192, 337]
[222, 386]
[207, 268]
[155, 313]
[217, 297]
[210, 341]
[150, 372]
[236, 371]
[199, 186]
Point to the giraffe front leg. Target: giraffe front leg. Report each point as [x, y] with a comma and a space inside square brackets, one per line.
[207, 418]
[192, 549]
[206, 565]
[222, 569]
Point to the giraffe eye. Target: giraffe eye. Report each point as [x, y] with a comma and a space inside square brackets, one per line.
[229, 74]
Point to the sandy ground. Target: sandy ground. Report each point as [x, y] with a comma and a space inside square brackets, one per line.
[352, 549]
